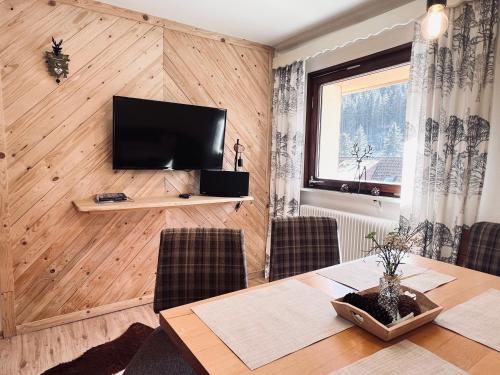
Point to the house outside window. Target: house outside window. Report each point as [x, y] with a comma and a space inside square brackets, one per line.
[358, 105]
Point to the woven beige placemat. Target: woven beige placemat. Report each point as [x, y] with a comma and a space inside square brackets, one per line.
[364, 273]
[477, 319]
[427, 280]
[402, 358]
[265, 324]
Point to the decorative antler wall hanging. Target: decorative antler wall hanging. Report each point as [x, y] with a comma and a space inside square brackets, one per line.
[56, 61]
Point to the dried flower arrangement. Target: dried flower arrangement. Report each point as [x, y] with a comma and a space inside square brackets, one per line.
[396, 245]
[391, 253]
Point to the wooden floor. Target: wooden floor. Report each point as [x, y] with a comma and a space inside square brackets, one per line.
[35, 352]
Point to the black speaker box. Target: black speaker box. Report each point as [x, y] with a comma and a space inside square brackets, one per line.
[224, 183]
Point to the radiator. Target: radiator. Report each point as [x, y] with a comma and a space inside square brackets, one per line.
[352, 230]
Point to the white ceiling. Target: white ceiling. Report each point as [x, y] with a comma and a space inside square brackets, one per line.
[270, 22]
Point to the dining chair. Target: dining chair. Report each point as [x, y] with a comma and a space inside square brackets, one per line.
[483, 250]
[193, 264]
[157, 356]
[302, 244]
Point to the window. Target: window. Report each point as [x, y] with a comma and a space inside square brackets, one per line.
[358, 105]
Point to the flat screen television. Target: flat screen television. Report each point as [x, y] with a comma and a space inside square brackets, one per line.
[150, 134]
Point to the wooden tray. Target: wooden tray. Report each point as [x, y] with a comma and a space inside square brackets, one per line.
[362, 319]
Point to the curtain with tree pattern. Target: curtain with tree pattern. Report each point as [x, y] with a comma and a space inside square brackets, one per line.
[287, 147]
[448, 127]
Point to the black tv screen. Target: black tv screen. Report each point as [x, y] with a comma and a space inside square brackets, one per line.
[149, 134]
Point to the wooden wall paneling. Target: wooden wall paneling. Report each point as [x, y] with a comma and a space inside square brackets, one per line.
[9, 9]
[159, 87]
[258, 60]
[94, 256]
[93, 265]
[269, 146]
[8, 317]
[216, 80]
[54, 114]
[249, 99]
[31, 30]
[258, 188]
[86, 314]
[175, 93]
[33, 237]
[205, 81]
[74, 45]
[24, 229]
[68, 202]
[145, 259]
[22, 33]
[34, 300]
[18, 20]
[105, 276]
[107, 269]
[7, 314]
[149, 287]
[213, 73]
[130, 280]
[123, 69]
[168, 24]
[61, 23]
[33, 248]
[86, 223]
[94, 55]
[69, 265]
[75, 285]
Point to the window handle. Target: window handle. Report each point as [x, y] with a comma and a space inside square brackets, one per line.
[313, 182]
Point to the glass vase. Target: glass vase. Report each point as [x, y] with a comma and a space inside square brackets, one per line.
[389, 294]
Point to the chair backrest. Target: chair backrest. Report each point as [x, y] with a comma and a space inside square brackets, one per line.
[483, 252]
[198, 263]
[302, 244]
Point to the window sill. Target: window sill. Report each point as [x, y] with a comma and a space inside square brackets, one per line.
[366, 197]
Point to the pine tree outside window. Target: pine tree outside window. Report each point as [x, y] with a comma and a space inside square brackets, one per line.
[360, 102]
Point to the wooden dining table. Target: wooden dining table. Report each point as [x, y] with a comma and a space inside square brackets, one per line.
[207, 354]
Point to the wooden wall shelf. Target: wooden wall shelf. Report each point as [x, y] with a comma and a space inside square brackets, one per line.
[89, 205]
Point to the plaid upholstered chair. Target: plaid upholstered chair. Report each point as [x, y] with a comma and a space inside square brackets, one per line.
[198, 263]
[483, 250]
[302, 244]
[193, 264]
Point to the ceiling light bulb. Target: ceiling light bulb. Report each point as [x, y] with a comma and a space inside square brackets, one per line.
[435, 22]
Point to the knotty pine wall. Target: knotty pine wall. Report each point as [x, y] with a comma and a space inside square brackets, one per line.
[61, 265]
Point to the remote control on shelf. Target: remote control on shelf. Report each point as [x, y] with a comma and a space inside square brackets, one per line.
[111, 197]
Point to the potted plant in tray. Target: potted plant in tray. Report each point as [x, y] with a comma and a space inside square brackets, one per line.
[391, 253]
